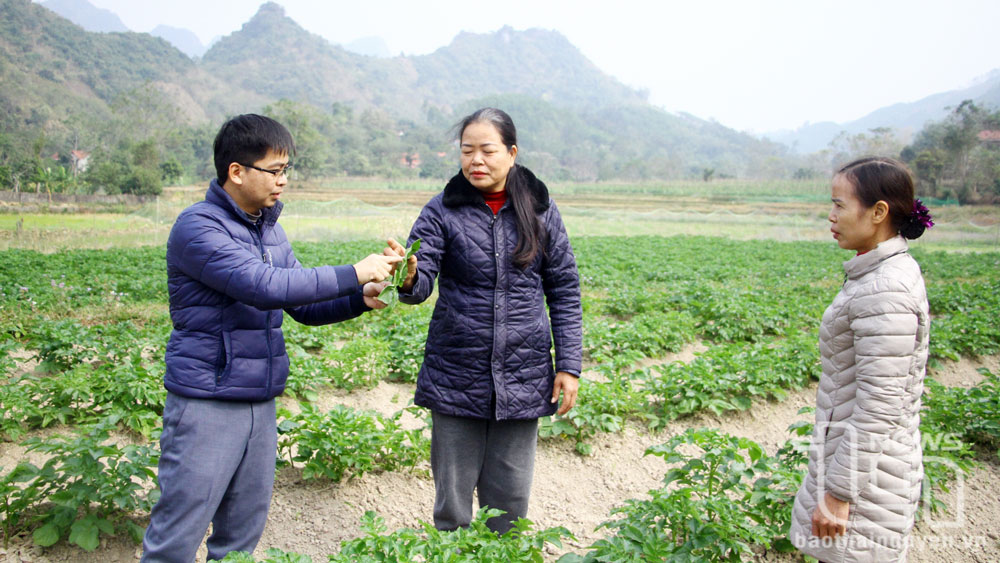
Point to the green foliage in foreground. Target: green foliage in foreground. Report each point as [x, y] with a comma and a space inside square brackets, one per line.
[971, 414]
[727, 377]
[86, 374]
[345, 441]
[954, 422]
[88, 487]
[724, 502]
[96, 323]
[473, 544]
[713, 506]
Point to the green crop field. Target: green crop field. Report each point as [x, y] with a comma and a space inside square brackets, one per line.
[83, 306]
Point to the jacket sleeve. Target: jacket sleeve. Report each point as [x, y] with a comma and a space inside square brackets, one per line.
[429, 228]
[331, 310]
[884, 319]
[561, 284]
[208, 253]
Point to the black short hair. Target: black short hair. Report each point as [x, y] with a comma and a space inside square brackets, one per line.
[246, 138]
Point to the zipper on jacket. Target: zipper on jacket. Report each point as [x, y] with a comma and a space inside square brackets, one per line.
[259, 232]
[494, 219]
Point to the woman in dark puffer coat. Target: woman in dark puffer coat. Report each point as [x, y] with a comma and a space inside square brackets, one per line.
[496, 243]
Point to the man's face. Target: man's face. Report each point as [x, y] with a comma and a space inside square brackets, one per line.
[259, 185]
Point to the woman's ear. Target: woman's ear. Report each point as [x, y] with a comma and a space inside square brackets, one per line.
[513, 152]
[880, 212]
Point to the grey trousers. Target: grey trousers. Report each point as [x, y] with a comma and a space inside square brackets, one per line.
[216, 465]
[496, 458]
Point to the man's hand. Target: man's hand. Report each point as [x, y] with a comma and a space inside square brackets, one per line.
[829, 520]
[396, 249]
[568, 384]
[371, 291]
[375, 267]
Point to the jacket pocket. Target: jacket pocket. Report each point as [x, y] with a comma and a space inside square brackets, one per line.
[222, 362]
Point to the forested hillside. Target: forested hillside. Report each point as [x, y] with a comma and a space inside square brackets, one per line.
[146, 111]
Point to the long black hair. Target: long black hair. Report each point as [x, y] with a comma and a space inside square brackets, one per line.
[530, 234]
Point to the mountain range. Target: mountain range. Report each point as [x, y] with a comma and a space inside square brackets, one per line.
[906, 118]
[86, 15]
[52, 69]
[183, 39]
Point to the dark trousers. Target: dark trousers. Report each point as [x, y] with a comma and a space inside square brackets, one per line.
[216, 465]
[494, 457]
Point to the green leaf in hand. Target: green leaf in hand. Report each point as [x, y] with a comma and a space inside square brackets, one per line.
[390, 295]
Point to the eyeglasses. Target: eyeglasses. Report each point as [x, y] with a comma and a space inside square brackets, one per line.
[276, 172]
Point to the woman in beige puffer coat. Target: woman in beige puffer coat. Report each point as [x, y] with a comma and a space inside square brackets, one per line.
[857, 502]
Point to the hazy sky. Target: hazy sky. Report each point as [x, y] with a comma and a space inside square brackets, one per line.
[751, 65]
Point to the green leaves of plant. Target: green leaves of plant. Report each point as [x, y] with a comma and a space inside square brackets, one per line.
[344, 441]
[390, 295]
[86, 488]
[522, 544]
[712, 507]
[47, 535]
[86, 531]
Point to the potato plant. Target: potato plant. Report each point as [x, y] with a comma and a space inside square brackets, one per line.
[474, 544]
[97, 324]
[713, 506]
[344, 441]
[88, 487]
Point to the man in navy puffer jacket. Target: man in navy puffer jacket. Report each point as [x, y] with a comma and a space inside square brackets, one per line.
[230, 273]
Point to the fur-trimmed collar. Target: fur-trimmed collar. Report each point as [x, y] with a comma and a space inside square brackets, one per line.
[460, 192]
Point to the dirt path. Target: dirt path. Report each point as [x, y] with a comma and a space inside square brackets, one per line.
[569, 490]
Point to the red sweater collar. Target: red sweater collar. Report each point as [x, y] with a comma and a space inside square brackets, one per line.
[495, 200]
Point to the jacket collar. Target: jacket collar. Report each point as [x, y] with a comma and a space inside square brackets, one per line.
[861, 265]
[219, 196]
[460, 192]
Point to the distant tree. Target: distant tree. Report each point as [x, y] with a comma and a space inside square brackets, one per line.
[342, 114]
[804, 174]
[52, 179]
[880, 141]
[433, 166]
[171, 171]
[928, 165]
[129, 169]
[707, 173]
[951, 161]
[314, 155]
[107, 172]
[143, 181]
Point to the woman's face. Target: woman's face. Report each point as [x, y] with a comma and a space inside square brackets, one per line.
[485, 159]
[852, 224]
